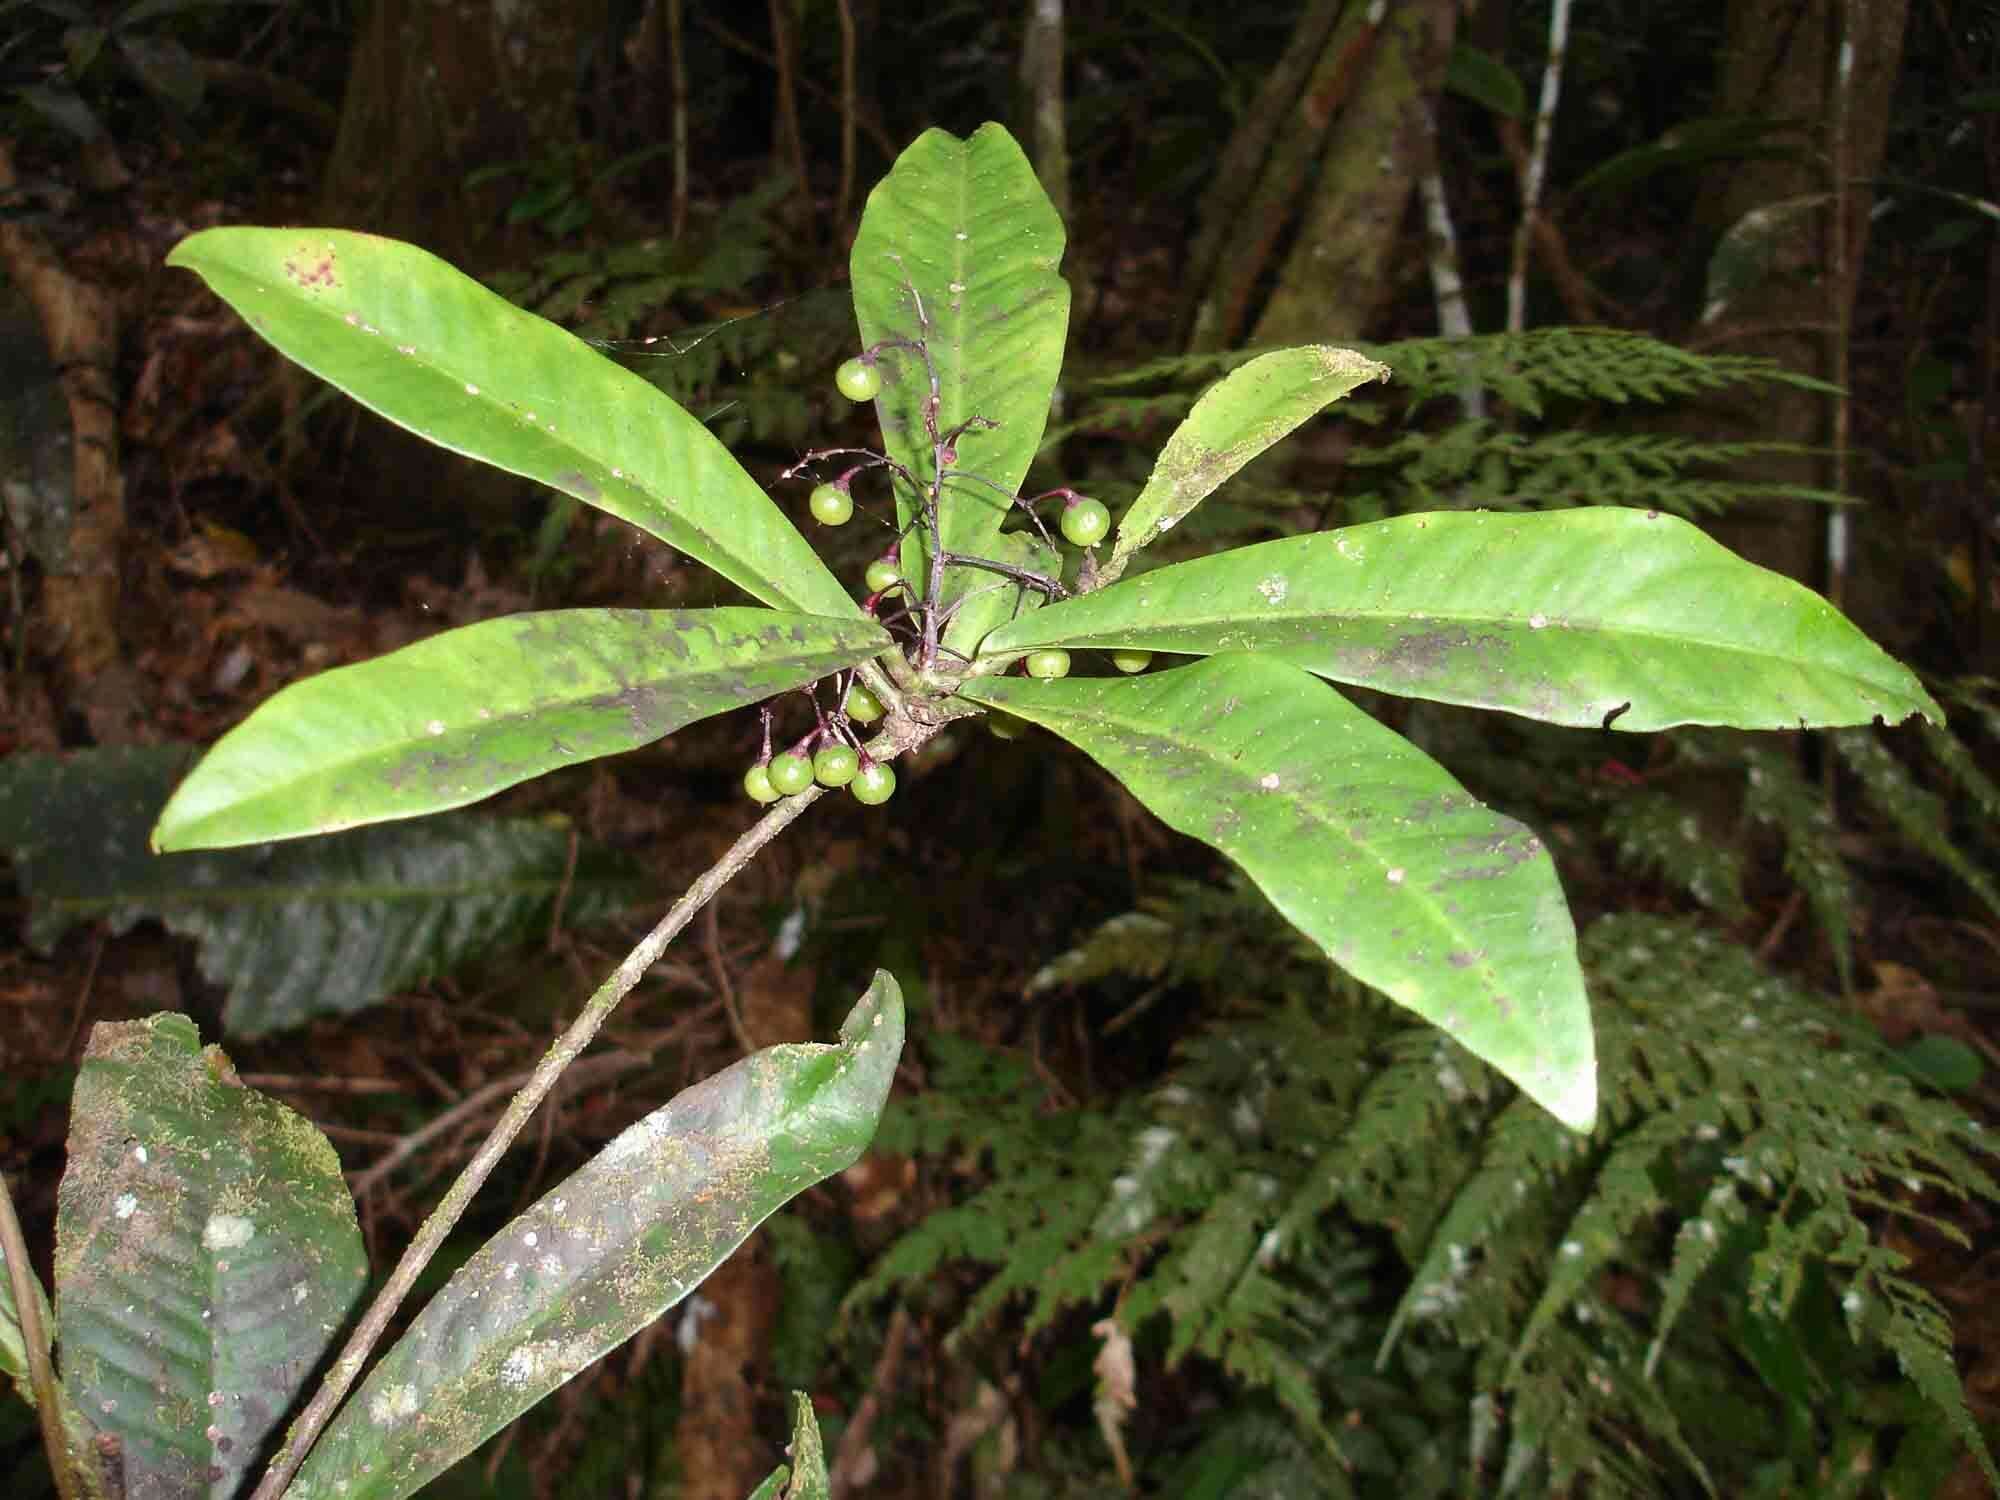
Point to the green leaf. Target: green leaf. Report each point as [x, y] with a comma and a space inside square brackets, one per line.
[13, 1340]
[1943, 1062]
[460, 716]
[1364, 843]
[206, 1256]
[1478, 75]
[1237, 418]
[610, 1249]
[808, 1455]
[434, 351]
[964, 227]
[1749, 252]
[1592, 617]
[296, 930]
[1696, 143]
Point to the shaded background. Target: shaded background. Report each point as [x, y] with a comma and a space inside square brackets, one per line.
[191, 525]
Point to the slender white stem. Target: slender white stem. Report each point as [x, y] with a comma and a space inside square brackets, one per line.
[1447, 286]
[1538, 156]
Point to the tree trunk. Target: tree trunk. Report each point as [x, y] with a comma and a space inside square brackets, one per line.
[82, 558]
[1781, 60]
[1042, 100]
[439, 88]
[1325, 160]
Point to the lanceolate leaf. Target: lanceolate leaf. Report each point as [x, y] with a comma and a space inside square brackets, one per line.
[459, 716]
[1591, 617]
[206, 1255]
[1237, 418]
[963, 227]
[1365, 844]
[434, 351]
[608, 1251]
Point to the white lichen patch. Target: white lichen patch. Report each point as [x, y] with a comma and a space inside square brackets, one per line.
[125, 1205]
[1274, 589]
[1270, 781]
[227, 1232]
[544, 1360]
[637, 1139]
[394, 1403]
[1537, 622]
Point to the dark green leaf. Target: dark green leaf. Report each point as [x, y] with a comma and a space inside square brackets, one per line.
[434, 351]
[1694, 143]
[62, 106]
[622, 1240]
[1944, 1062]
[1363, 842]
[457, 717]
[1600, 617]
[166, 68]
[206, 1256]
[293, 930]
[1484, 79]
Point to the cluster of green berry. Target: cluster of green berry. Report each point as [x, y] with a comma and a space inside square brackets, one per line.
[1084, 522]
[833, 764]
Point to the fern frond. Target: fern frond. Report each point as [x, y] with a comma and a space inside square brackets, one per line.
[1656, 832]
[1135, 943]
[1950, 752]
[1781, 798]
[1909, 1321]
[1578, 364]
[1919, 814]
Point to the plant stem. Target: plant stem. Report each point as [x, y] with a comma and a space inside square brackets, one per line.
[340, 1378]
[41, 1374]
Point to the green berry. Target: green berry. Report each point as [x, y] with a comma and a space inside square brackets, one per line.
[858, 380]
[1049, 663]
[831, 505]
[790, 773]
[1084, 522]
[882, 574]
[757, 782]
[1005, 726]
[1131, 661]
[862, 706]
[873, 784]
[835, 765]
